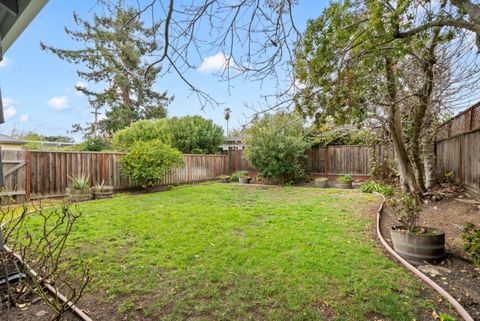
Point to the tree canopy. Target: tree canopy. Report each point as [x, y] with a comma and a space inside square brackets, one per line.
[189, 134]
[112, 52]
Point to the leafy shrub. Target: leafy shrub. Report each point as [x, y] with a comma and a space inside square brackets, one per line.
[370, 187]
[80, 182]
[344, 179]
[276, 146]
[237, 175]
[471, 236]
[143, 130]
[147, 163]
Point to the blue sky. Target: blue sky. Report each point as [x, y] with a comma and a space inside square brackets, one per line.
[38, 88]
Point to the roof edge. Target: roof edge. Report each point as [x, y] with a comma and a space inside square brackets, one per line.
[23, 20]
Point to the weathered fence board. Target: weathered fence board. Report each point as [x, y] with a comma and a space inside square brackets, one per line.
[460, 155]
[236, 162]
[14, 168]
[331, 160]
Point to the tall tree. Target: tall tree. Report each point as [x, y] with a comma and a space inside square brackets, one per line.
[113, 53]
[349, 63]
[227, 113]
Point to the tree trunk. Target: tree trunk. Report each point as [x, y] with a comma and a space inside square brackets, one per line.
[407, 176]
[428, 146]
[415, 147]
[421, 122]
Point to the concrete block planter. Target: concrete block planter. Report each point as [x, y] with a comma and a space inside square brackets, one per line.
[244, 180]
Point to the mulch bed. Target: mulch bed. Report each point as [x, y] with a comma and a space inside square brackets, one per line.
[456, 274]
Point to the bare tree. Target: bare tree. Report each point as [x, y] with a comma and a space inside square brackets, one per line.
[34, 253]
[255, 38]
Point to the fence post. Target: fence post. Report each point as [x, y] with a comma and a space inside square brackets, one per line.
[28, 175]
[226, 170]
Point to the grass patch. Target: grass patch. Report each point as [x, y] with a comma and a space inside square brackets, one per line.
[221, 251]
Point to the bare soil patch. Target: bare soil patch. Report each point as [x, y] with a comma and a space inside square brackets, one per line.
[456, 274]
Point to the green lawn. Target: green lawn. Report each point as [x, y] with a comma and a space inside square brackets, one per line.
[214, 251]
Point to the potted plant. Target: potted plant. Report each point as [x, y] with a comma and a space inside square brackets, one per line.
[224, 179]
[79, 189]
[102, 190]
[344, 182]
[321, 182]
[242, 177]
[416, 244]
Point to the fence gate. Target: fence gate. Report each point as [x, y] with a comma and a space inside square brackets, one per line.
[14, 175]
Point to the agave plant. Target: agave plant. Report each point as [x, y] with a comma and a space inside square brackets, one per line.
[102, 186]
[80, 182]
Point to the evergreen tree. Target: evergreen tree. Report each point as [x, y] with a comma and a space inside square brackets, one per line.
[113, 51]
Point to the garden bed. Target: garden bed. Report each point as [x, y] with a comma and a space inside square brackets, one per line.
[456, 274]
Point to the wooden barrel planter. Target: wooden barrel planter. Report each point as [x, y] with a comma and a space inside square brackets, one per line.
[79, 195]
[344, 185]
[418, 248]
[103, 193]
[321, 182]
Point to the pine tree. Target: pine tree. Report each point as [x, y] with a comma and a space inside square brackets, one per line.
[113, 55]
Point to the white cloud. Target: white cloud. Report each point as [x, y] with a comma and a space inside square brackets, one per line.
[214, 63]
[80, 84]
[59, 102]
[5, 62]
[9, 107]
[24, 118]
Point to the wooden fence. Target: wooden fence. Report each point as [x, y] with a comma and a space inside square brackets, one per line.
[14, 174]
[460, 155]
[343, 160]
[326, 161]
[33, 174]
[463, 123]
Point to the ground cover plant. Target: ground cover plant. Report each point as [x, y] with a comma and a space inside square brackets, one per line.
[370, 187]
[221, 251]
[471, 236]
